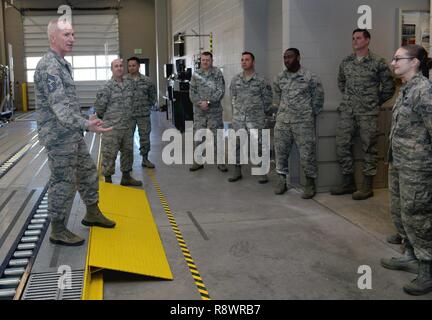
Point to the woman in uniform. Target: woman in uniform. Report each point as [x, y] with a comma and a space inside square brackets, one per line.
[410, 172]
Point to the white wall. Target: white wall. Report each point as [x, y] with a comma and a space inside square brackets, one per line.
[322, 31]
[255, 32]
[162, 45]
[275, 47]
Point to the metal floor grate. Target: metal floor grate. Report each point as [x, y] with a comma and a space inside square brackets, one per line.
[45, 286]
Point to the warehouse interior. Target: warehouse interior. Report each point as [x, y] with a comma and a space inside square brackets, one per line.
[202, 237]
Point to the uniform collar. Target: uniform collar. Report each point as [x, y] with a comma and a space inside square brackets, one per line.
[208, 72]
[63, 61]
[407, 86]
[242, 75]
[129, 76]
[366, 58]
[299, 72]
[116, 83]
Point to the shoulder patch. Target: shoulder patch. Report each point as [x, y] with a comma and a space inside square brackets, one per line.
[52, 83]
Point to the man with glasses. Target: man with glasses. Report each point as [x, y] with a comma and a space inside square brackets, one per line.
[366, 83]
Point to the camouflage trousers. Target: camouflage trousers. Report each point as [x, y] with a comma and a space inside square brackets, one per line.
[211, 121]
[237, 125]
[411, 208]
[113, 142]
[72, 169]
[303, 135]
[367, 126]
[144, 130]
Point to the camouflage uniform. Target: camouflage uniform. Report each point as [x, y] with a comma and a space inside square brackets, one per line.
[365, 84]
[410, 173]
[60, 127]
[251, 100]
[300, 97]
[144, 98]
[208, 86]
[114, 106]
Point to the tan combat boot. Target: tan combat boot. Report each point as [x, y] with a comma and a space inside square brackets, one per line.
[146, 163]
[196, 167]
[263, 179]
[366, 190]
[310, 189]
[222, 168]
[348, 186]
[127, 180]
[407, 262]
[95, 218]
[60, 235]
[237, 174]
[423, 283]
[281, 186]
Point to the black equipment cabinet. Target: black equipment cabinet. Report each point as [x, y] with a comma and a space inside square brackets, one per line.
[182, 107]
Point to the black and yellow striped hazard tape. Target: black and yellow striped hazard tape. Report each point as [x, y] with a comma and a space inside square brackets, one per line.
[182, 243]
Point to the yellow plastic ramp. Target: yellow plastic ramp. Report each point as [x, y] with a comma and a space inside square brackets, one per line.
[133, 246]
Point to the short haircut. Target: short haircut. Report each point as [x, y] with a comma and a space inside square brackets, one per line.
[249, 53]
[366, 33]
[295, 50]
[206, 53]
[134, 59]
[118, 59]
[55, 24]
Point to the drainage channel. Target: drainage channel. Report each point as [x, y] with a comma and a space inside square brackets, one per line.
[17, 265]
[13, 160]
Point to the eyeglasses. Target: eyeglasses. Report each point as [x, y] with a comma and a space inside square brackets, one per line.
[402, 58]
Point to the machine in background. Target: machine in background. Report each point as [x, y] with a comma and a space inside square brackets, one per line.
[180, 108]
[6, 100]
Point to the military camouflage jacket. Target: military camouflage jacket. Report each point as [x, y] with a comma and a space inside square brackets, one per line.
[299, 96]
[59, 118]
[207, 86]
[365, 85]
[251, 99]
[114, 103]
[145, 96]
[411, 133]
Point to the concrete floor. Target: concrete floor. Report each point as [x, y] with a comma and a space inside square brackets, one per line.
[250, 244]
[246, 242]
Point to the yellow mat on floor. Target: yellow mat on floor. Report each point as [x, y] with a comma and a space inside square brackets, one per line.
[133, 246]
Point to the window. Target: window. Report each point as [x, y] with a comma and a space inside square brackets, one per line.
[85, 68]
[143, 68]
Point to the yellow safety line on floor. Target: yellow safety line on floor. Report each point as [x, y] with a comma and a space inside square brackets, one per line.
[181, 242]
[133, 246]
